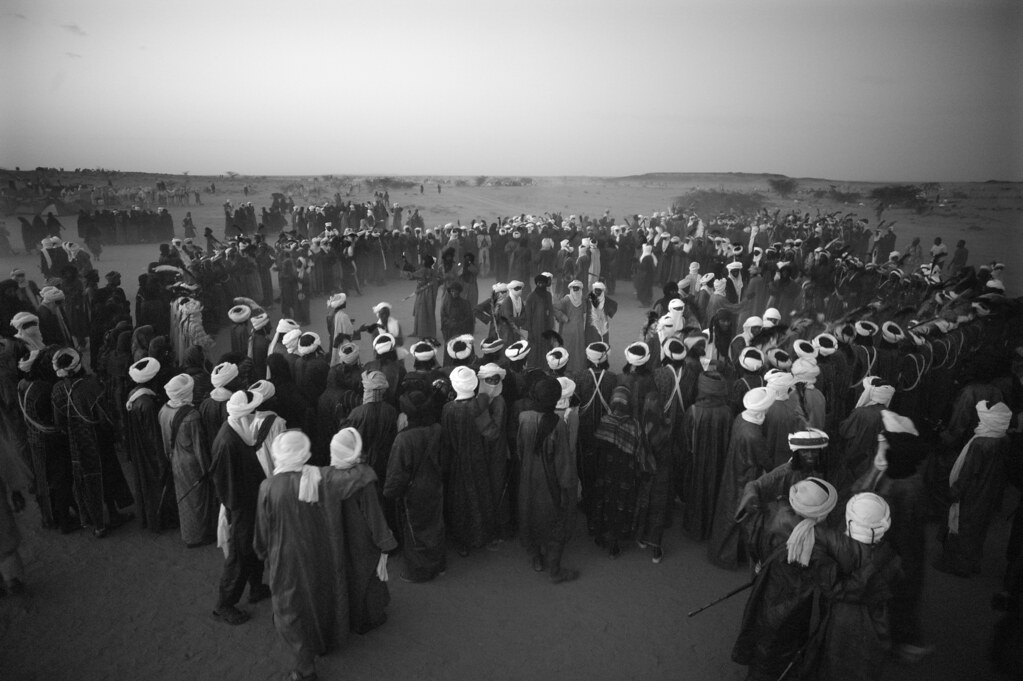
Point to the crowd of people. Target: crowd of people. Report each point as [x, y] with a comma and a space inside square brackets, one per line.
[791, 365]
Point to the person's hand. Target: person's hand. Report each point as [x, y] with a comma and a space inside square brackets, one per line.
[18, 502]
[382, 568]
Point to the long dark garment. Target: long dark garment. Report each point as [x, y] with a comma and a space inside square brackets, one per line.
[747, 460]
[154, 482]
[621, 453]
[189, 456]
[415, 480]
[350, 501]
[468, 497]
[706, 429]
[51, 460]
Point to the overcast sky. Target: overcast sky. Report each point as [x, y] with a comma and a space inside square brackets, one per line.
[900, 90]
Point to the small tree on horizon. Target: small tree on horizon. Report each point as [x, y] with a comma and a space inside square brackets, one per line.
[783, 186]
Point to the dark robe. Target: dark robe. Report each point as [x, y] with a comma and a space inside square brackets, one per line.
[310, 597]
[782, 419]
[154, 482]
[706, 428]
[189, 455]
[546, 500]
[51, 458]
[747, 459]
[539, 317]
[593, 388]
[468, 497]
[621, 458]
[859, 442]
[415, 480]
[377, 423]
[351, 503]
[212, 415]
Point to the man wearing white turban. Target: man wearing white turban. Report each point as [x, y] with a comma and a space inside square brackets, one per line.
[377, 423]
[225, 380]
[746, 460]
[237, 476]
[292, 537]
[350, 500]
[153, 478]
[783, 417]
[189, 454]
[976, 485]
[570, 311]
[469, 496]
[860, 429]
[855, 637]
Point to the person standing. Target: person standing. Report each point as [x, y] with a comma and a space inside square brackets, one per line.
[705, 430]
[237, 476]
[415, 481]
[189, 454]
[570, 313]
[539, 317]
[291, 536]
[599, 314]
[154, 484]
[547, 489]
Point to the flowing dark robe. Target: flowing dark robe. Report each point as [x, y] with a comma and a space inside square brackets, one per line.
[51, 459]
[859, 433]
[539, 317]
[424, 312]
[189, 455]
[854, 638]
[212, 415]
[978, 490]
[706, 429]
[594, 389]
[415, 480]
[309, 595]
[782, 419]
[240, 333]
[621, 452]
[747, 459]
[656, 493]
[546, 500]
[468, 496]
[154, 482]
[351, 503]
[311, 376]
[572, 328]
[492, 423]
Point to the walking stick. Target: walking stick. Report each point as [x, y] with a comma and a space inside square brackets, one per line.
[723, 598]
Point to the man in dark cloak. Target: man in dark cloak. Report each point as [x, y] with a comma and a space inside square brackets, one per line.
[860, 429]
[705, 430]
[547, 492]
[351, 502]
[377, 423]
[747, 459]
[539, 317]
[154, 483]
[594, 387]
[415, 480]
[225, 380]
[237, 476]
[240, 328]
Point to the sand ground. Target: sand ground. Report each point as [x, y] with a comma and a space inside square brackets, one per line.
[136, 605]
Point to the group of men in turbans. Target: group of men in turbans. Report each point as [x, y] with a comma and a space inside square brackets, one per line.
[787, 369]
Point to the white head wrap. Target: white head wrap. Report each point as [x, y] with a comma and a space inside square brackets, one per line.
[867, 518]
[144, 370]
[25, 365]
[812, 499]
[243, 403]
[337, 300]
[464, 382]
[308, 343]
[826, 344]
[383, 343]
[805, 370]
[891, 332]
[266, 389]
[720, 286]
[873, 393]
[290, 340]
[239, 314]
[637, 354]
[290, 450]
[51, 294]
[259, 320]
[517, 350]
[423, 351]
[71, 367]
[756, 402]
[348, 353]
[751, 359]
[557, 358]
[811, 438]
[771, 318]
[345, 448]
[179, 390]
[379, 307]
[460, 347]
[567, 390]
[780, 382]
[805, 349]
[674, 349]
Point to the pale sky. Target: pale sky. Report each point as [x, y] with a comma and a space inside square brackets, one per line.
[882, 90]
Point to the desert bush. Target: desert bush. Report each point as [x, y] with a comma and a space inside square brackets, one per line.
[481, 180]
[783, 186]
[901, 196]
[714, 201]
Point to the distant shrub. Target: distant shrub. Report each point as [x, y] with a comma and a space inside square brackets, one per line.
[783, 186]
[715, 201]
[481, 180]
[901, 196]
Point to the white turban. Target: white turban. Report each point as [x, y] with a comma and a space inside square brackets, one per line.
[464, 382]
[758, 399]
[179, 390]
[51, 294]
[144, 370]
[751, 359]
[811, 438]
[239, 313]
[779, 358]
[379, 307]
[243, 403]
[826, 344]
[337, 300]
[286, 325]
[557, 358]
[867, 518]
[812, 499]
[499, 287]
[266, 389]
[223, 374]
[66, 368]
[674, 349]
[637, 354]
[805, 349]
[597, 352]
[290, 340]
[805, 370]
[259, 320]
[771, 318]
[383, 343]
[706, 279]
[567, 390]
[891, 332]
[22, 318]
[719, 286]
[865, 329]
[308, 343]
[517, 350]
[423, 351]
[290, 450]
[348, 353]
[874, 393]
[751, 322]
[460, 347]
[345, 448]
[780, 382]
